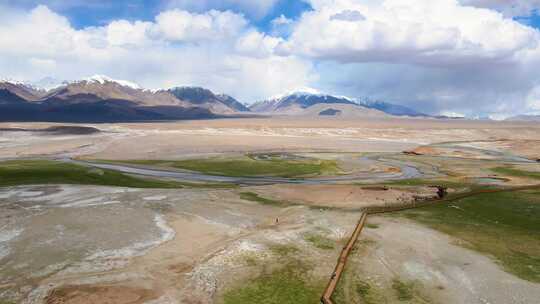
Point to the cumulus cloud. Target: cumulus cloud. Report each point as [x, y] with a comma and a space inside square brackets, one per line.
[41, 31]
[348, 15]
[432, 32]
[257, 44]
[435, 55]
[125, 33]
[213, 25]
[255, 9]
[215, 49]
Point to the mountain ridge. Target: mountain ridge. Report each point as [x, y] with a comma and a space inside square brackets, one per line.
[103, 98]
[283, 104]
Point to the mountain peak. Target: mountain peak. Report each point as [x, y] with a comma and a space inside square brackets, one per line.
[102, 79]
[301, 91]
[12, 81]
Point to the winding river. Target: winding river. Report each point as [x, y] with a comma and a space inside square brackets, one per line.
[407, 169]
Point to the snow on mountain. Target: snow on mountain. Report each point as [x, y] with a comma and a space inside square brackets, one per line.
[102, 79]
[48, 83]
[296, 92]
[13, 81]
[302, 97]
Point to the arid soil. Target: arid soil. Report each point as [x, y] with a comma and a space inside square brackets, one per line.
[347, 197]
[182, 139]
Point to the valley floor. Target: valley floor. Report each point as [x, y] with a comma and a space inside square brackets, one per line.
[74, 232]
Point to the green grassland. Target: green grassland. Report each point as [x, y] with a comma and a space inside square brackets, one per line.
[279, 287]
[503, 225]
[291, 283]
[454, 184]
[517, 173]
[320, 241]
[32, 172]
[254, 197]
[247, 166]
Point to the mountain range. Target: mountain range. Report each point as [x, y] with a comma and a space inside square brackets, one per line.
[524, 118]
[103, 99]
[309, 102]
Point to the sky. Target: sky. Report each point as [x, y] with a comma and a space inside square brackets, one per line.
[478, 58]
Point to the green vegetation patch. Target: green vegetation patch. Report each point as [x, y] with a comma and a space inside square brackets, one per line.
[254, 197]
[404, 291]
[431, 182]
[320, 241]
[372, 226]
[359, 291]
[283, 250]
[291, 282]
[32, 172]
[247, 166]
[516, 172]
[504, 225]
[284, 286]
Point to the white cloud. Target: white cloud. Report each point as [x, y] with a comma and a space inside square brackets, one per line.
[348, 15]
[41, 31]
[281, 20]
[533, 99]
[47, 65]
[434, 55]
[256, 9]
[432, 32]
[125, 33]
[184, 26]
[215, 49]
[257, 44]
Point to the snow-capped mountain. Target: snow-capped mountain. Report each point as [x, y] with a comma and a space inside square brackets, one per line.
[102, 79]
[306, 100]
[101, 98]
[22, 89]
[203, 97]
[303, 99]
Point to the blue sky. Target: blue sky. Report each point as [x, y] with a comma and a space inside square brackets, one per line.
[99, 12]
[467, 57]
[533, 19]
